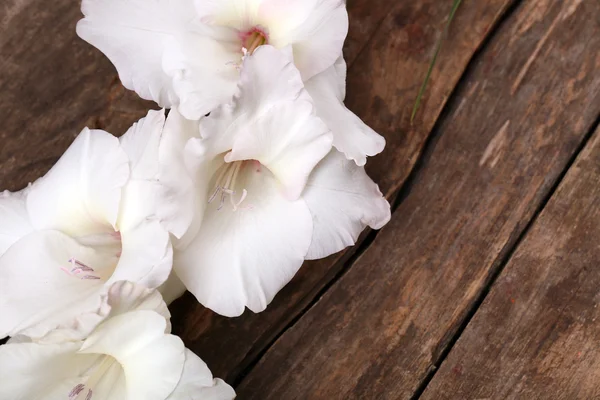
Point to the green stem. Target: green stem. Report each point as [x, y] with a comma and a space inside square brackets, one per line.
[433, 61]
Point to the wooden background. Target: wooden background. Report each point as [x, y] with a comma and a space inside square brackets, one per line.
[485, 284]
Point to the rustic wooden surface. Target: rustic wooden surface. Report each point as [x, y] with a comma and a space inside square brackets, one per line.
[377, 320]
[518, 118]
[537, 335]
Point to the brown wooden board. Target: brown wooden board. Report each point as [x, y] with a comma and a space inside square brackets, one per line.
[516, 120]
[52, 84]
[382, 85]
[537, 335]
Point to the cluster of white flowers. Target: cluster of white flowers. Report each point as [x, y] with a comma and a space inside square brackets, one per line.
[257, 167]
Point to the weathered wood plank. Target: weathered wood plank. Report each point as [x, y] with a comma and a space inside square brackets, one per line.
[382, 85]
[518, 117]
[537, 335]
[52, 84]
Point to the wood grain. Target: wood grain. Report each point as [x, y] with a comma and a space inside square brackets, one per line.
[381, 328]
[52, 85]
[537, 335]
[382, 84]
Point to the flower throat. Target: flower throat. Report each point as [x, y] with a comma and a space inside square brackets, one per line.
[253, 39]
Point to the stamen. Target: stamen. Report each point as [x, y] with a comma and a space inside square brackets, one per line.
[225, 184]
[76, 390]
[79, 267]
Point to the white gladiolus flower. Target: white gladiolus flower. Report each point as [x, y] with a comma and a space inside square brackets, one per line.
[128, 354]
[86, 224]
[258, 189]
[188, 55]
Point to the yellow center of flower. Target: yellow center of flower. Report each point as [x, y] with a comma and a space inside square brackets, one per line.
[253, 39]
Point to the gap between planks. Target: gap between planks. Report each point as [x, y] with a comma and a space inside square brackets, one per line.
[400, 195]
[502, 260]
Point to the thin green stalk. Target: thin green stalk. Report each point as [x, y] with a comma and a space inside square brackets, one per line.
[433, 61]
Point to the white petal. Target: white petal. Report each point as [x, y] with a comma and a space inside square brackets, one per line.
[239, 14]
[268, 77]
[81, 193]
[343, 201]
[152, 360]
[350, 134]
[197, 382]
[147, 255]
[289, 140]
[316, 29]
[124, 296]
[204, 70]
[141, 143]
[178, 203]
[139, 203]
[273, 121]
[244, 257]
[34, 371]
[134, 35]
[14, 219]
[37, 294]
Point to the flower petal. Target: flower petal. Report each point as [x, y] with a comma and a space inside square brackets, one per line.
[134, 34]
[15, 220]
[37, 294]
[350, 134]
[147, 255]
[289, 140]
[316, 29]
[273, 121]
[34, 371]
[204, 69]
[152, 360]
[197, 382]
[268, 77]
[343, 201]
[141, 194]
[239, 14]
[141, 142]
[81, 193]
[124, 296]
[244, 257]
[178, 202]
